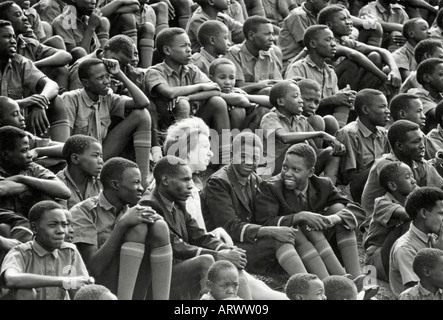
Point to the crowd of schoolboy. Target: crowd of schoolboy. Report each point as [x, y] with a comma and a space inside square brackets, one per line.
[347, 97]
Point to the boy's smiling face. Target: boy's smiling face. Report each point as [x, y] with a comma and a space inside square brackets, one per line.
[316, 290]
[292, 102]
[224, 76]
[8, 44]
[179, 50]
[11, 115]
[295, 173]
[404, 180]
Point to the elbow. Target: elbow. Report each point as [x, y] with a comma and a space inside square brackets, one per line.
[64, 193]
[66, 57]
[11, 282]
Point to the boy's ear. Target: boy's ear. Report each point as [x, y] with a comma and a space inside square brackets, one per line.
[426, 77]
[34, 227]
[313, 44]
[392, 185]
[402, 114]
[311, 172]
[250, 34]
[212, 40]
[166, 50]
[299, 297]
[426, 271]
[280, 102]
[364, 109]
[85, 82]
[74, 158]
[211, 77]
[422, 213]
[114, 184]
[208, 284]
[165, 180]
[4, 154]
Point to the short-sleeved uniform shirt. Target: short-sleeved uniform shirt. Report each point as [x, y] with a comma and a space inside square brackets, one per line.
[290, 39]
[325, 76]
[253, 69]
[275, 120]
[404, 57]
[203, 60]
[362, 145]
[401, 257]
[418, 292]
[199, 16]
[72, 29]
[19, 74]
[22, 203]
[93, 188]
[428, 101]
[395, 13]
[33, 50]
[83, 117]
[31, 257]
[434, 141]
[347, 41]
[50, 9]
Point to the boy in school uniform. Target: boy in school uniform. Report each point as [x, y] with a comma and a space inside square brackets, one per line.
[365, 139]
[298, 198]
[287, 126]
[92, 109]
[245, 110]
[408, 106]
[389, 220]
[84, 158]
[424, 206]
[434, 139]
[124, 245]
[414, 31]
[46, 268]
[257, 60]
[426, 265]
[48, 10]
[212, 10]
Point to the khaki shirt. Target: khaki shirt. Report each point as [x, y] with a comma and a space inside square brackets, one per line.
[434, 141]
[404, 57]
[395, 13]
[429, 102]
[203, 60]
[418, 292]
[31, 257]
[33, 50]
[50, 9]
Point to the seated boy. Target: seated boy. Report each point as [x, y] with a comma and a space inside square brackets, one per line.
[257, 60]
[414, 31]
[339, 288]
[305, 286]
[92, 109]
[48, 10]
[34, 92]
[210, 10]
[408, 106]
[426, 266]
[434, 139]
[428, 72]
[84, 157]
[178, 88]
[298, 198]
[424, 206]
[37, 30]
[287, 126]
[222, 281]
[365, 139]
[46, 268]
[245, 110]
[425, 49]
[24, 182]
[389, 220]
[333, 101]
[213, 38]
[122, 242]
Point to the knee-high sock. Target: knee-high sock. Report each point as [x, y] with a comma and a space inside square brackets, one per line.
[289, 259]
[159, 27]
[131, 256]
[131, 34]
[312, 260]
[183, 20]
[243, 287]
[161, 268]
[146, 47]
[59, 130]
[142, 148]
[103, 37]
[347, 244]
[329, 258]
[341, 113]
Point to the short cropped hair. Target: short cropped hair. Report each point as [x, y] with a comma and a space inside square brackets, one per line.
[409, 25]
[427, 67]
[401, 102]
[422, 198]
[426, 46]
[210, 28]
[166, 37]
[311, 33]
[298, 284]
[120, 43]
[183, 135]
[38, 210]
[4, 101]
[280, 90]
[426, 258]
[439, 113]
[9, 136]
[364, 98]
[219, 62]
[91, 292]
[219, 266]
[327, 13]
[78, 144]
[4, 7]
[305, 151]
[398, 131]
[168, 165]
[5, 23]
[339, 288]
[113, 169]
[252, 24]
[308, 84]
[84, 69]
[388, 174]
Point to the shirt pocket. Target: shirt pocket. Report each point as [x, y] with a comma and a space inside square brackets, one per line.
[81, 126]
[105, 123]
[15, 93]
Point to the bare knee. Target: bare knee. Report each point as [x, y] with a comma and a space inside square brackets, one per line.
[205, 261]
[218, 104]
[137, 233]
[55, 42]
[159, 233]
[317, 122]
[237, 113]
[376, 59]
[161, 8]
[140, 116]
[147, 30]
[77, 53]
[182, 108]
[331, 124]
[47, 28]
[105, 25]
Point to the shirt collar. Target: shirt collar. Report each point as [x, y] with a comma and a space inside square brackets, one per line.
[248, 55]
[303, 6]
[409, 47]
[304, 192]
[325, 67]
[281, 115]
[420, 234]
[381, 8]
[393, 157]
[43, 252]
[169, 204]
[169, 71]
[390, 197]
[88, 102]
[21, 42]
[105, 204]
[365, 131]
[207, 55]
[425, 292]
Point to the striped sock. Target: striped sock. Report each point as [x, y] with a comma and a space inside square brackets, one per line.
[312, 260]
[132, 33]
[347, 244]
[289, 259]
[328, 256]
[142, 148]
[131, 256]
[146, 50]
[161, 266]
